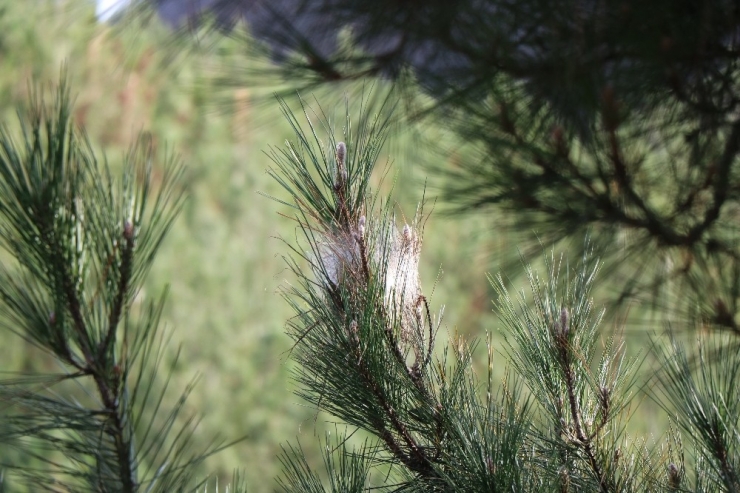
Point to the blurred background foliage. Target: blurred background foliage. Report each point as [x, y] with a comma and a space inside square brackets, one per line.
[222, 260]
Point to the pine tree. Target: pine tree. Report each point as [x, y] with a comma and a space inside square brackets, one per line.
[619, 117]
[78, 240]
[365, 339]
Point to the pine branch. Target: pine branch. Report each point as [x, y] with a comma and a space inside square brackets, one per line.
[82, 241]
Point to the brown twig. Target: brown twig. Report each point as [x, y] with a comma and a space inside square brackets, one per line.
[561, 333]
[108, 393]
[123, 284]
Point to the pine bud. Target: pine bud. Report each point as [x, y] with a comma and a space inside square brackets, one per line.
[361, 226]
[564, 479]
[341, 153]
[605, 398]
[52, 318]
[341, 179]
[354, 333]
[564, 326]
[407, 234]
[674, 476]
[128, 230]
